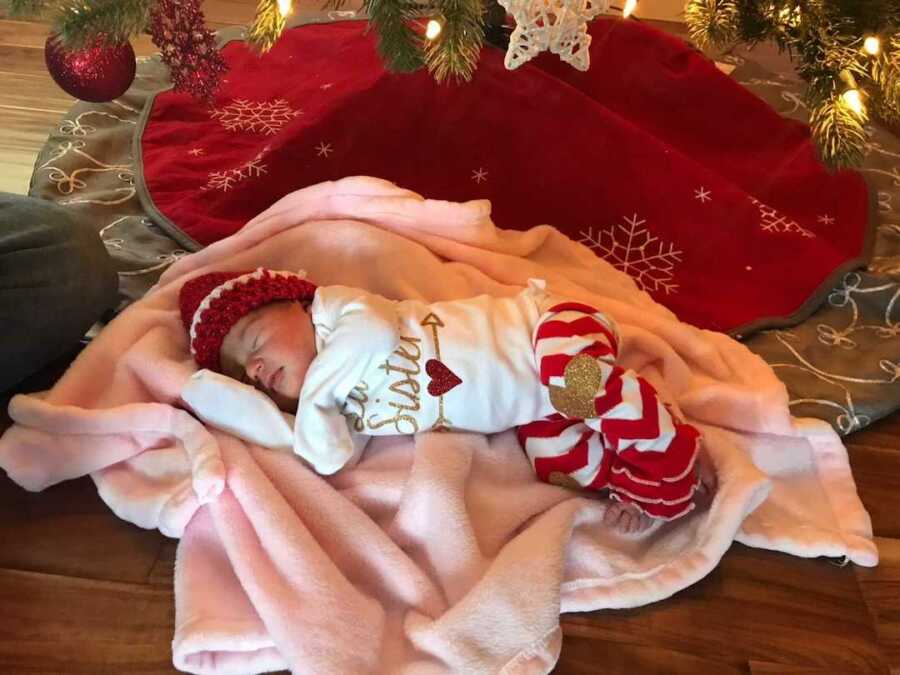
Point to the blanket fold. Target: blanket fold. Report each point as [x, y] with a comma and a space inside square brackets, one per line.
[435, 553]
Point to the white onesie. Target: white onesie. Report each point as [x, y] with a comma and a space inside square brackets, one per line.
[385, 368]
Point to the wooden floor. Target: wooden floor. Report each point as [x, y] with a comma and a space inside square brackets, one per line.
[83, 592]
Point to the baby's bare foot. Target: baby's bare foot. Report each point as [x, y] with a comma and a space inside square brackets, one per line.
[626, 518]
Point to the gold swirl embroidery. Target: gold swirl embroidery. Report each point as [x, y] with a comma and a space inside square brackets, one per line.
[68, 183]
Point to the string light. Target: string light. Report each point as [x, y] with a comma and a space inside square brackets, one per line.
[630, 6]
[854, 101]
[789, 16]
[433, 29]
[284, 7]
[872, 45]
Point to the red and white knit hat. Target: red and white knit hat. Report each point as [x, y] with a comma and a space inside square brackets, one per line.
[212, 303]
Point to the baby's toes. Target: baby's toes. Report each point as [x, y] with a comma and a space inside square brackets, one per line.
[613, 514]
[640, 522]
[708, 478]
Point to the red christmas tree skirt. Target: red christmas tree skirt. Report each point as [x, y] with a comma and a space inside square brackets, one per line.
[660, 163]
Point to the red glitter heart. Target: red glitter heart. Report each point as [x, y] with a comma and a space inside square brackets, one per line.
[442, 378]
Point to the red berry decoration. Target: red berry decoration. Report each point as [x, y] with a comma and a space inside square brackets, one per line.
[97, 73]
[188, 47]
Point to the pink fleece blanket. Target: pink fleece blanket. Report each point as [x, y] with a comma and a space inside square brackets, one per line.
[436, 553]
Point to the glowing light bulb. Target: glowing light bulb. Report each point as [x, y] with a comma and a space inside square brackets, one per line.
[872, 45]
[630, 6]
[284, 7]
[788, 16]
[854, 101]
[433, 29]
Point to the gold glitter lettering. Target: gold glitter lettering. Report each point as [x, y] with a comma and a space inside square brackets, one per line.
[406, 386]
[359, 397]
[397, 421]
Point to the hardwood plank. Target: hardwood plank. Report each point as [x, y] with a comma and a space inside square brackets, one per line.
[884, 433]
[22, 134]
[766, 668]
[875, 459]
[756, 605]
[881, 589]
[33, 92]
[64, 529]
[163, 571]
[19, 33]
[582, 656]
[877, 475]
[22, 60]
[55, 624]
[29, 36]
[25, 130]
[15, 177]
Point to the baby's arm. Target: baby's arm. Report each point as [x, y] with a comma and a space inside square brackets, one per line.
[359, 332]
[239, 409]
[245, 412]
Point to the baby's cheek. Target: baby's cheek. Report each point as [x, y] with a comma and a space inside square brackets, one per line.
[294, 390]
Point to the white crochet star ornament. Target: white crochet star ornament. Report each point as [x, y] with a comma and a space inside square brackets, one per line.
[557, 25]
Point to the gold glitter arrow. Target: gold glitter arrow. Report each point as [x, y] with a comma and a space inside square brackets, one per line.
[433, 321]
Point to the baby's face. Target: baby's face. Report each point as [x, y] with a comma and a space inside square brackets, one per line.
[271, 348]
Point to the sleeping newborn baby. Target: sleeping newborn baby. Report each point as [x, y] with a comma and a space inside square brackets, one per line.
[353, 365]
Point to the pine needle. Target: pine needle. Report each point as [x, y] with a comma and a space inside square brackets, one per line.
[839, 133]
[711, 23]
[455, 52]
[267, 26]
[398, 44]
[80, 23]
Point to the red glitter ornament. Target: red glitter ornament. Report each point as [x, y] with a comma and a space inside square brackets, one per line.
[97, 73]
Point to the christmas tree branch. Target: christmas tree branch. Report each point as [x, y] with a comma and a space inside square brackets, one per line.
[81, 22]
[711, 23]
[267, 26]
[848, 51]
[398, 44]
[457, 48]
[26, 8]
[886, 73]
[840, 132]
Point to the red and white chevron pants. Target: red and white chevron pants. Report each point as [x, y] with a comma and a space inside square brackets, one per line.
[627, 440]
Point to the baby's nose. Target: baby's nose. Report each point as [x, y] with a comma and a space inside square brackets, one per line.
[254, 369]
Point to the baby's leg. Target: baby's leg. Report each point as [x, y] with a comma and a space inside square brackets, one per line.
[629, 519]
